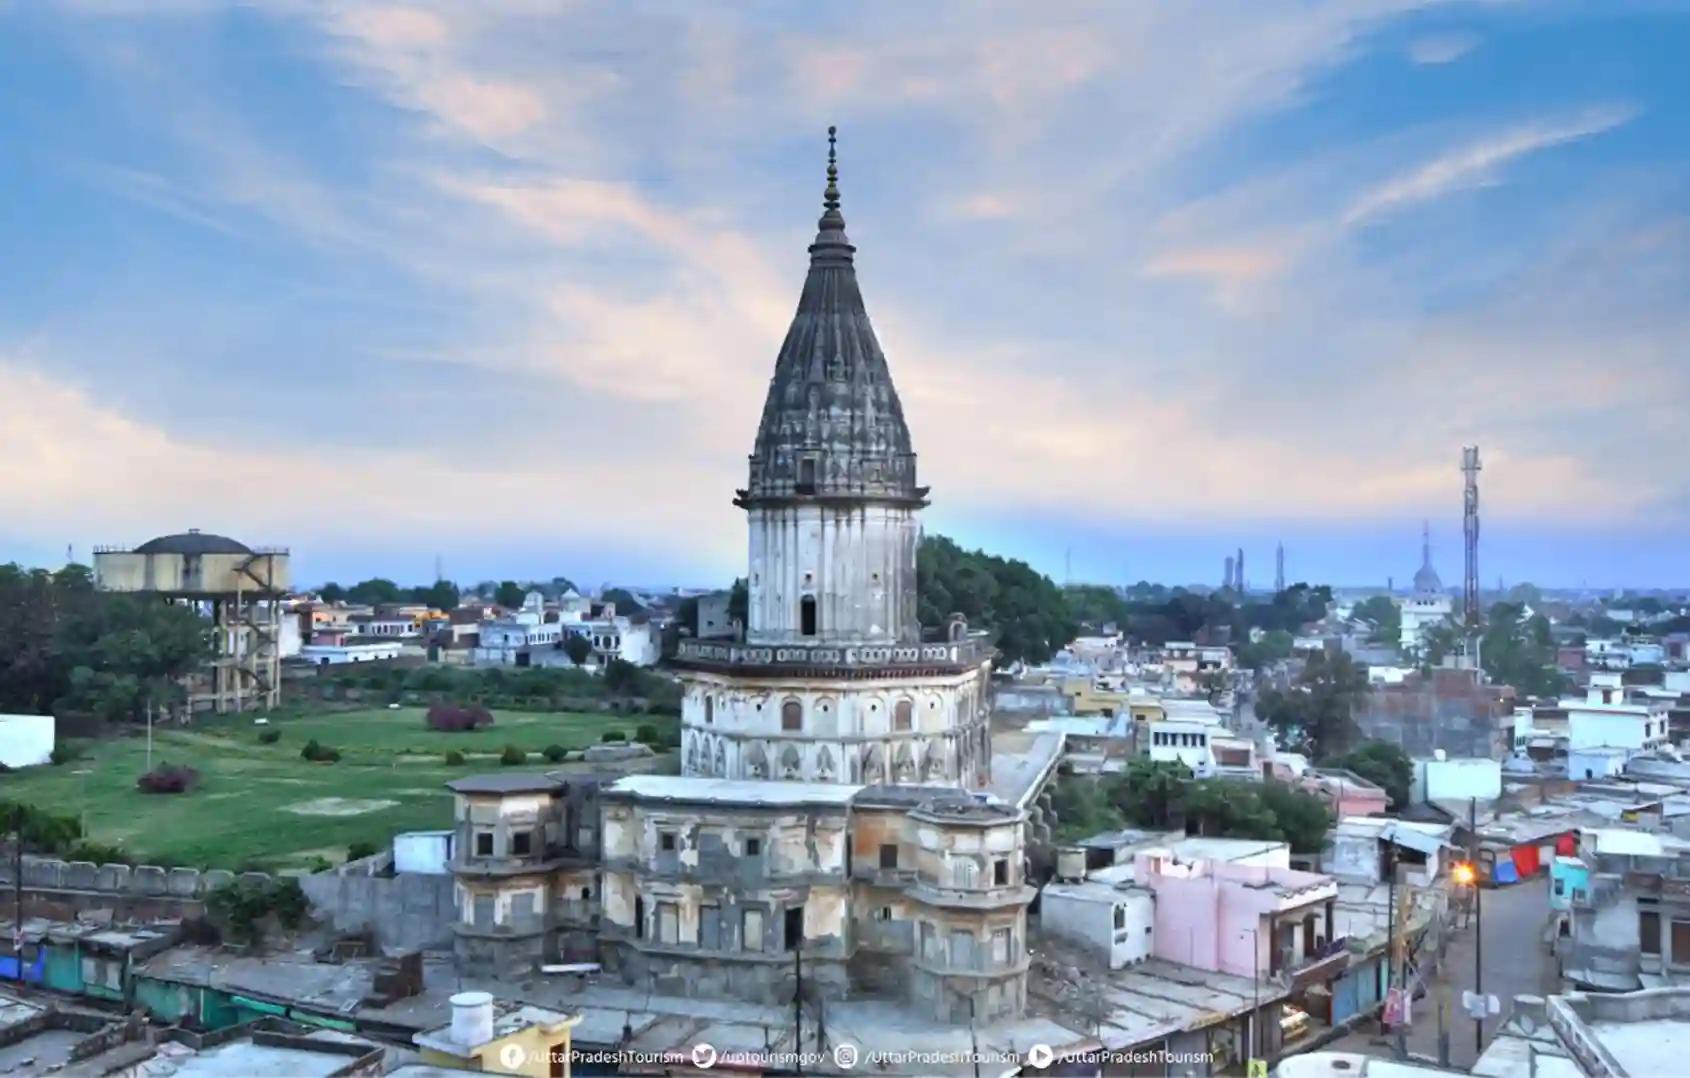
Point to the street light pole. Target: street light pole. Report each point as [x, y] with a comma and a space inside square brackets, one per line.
[1478, 933]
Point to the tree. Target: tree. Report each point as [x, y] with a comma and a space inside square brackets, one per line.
[66, 646]
[509, 594]
[624, 599]
[578, 648]
[623, 677]
[1024, 610]
[1274, 645]
[1520, 651]
[1147, 794]
[331, 592]
[1384, 615]
[739, 602]
[374, 591]
[440, 595]
[1386, 766]
[1436, 642]
[1316, 716]
[1302, 818]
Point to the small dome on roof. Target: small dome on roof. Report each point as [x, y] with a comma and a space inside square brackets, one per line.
[193, 541]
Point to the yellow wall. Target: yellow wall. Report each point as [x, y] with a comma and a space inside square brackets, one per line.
[535, 1043]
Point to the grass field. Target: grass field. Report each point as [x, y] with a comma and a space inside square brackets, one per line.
[263, 805]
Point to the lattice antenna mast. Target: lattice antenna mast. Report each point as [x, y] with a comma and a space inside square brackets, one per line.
[1470, 531]
[1279, 568]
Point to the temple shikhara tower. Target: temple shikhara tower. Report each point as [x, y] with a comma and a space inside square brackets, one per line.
[831, 815]
[833, 681]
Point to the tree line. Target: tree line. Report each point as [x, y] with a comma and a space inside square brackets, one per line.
[67, 647]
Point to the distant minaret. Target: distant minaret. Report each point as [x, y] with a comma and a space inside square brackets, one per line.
[1279, 568]
[1226, 582]
[1238, 567]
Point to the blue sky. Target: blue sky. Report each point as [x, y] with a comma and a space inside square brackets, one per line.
[504, 283]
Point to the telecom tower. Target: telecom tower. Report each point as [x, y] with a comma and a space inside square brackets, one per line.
[1238, 568]
[1279, 569]
[1470, 529]
[1226, 581]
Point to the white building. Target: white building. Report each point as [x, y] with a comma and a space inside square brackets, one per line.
[26, 740]
[1608, 718]
[1440, 778]
[1187, 742]
[337, 654]
[1623, 653]
[1428, 605]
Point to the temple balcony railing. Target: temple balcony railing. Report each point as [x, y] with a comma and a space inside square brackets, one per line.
[845, 658]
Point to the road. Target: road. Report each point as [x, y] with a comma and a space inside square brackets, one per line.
[1516, 962]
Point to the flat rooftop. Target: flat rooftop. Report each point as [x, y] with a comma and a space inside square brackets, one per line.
[245, 1059]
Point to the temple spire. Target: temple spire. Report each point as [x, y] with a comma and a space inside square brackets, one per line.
[831, 220]
[1425, 543]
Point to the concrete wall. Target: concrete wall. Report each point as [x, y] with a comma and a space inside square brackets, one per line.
[406, 912]
[26, 740]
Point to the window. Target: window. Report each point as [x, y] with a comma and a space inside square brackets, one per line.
[753, 847]
[807, 615]
[709, 708]
[807, 475]
[521, 843]
[639, 917]
[1681, 943]
[1120, 918]
[1000, 872]
[888, 855]
[794, 927]
[1003, 947]
[902, 715]
[751, 937]
[884, 913]
[792, 715]
[484, 844]
[666, 841]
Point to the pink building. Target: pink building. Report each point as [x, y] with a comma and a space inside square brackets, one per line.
[1246, 920]
[1345, 792]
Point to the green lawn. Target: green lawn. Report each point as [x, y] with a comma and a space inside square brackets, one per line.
[263, 804]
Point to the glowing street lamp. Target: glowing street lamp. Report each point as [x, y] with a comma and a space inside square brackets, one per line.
[1463, 874]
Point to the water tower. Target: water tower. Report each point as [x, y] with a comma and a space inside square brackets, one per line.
[238, 588]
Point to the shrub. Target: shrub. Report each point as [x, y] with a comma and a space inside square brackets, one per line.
[454, 759]
[319, 754]
[360, 850]
[613, 736]
[648, 734]
[168, 779]
[269, 737]
[457, 717]
[512, 756]
[98, 852]
[66, 753]
[555, 753]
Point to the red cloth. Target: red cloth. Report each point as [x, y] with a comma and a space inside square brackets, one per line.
[1567, 846]
[1525, 860]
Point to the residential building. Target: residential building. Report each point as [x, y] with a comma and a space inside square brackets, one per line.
[1613, 717]
[1626, 901]
[500, 1039]
[1442, 779]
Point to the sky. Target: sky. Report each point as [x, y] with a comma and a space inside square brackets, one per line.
[502, 284]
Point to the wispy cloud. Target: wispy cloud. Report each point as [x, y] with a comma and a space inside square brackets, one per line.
[1478, 163]
[1441, 48]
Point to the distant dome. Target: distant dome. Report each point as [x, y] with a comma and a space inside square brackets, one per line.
[1426, 581]
[192, 542]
